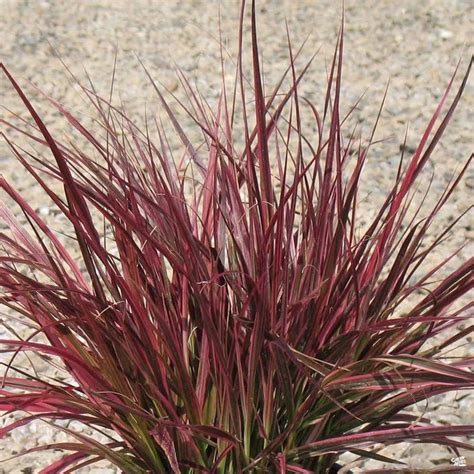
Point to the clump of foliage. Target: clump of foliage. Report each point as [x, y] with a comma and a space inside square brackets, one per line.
[240, 324]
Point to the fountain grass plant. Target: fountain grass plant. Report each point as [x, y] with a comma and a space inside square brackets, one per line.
[241, 323]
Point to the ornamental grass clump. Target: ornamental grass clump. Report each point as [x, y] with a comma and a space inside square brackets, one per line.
[226, 313]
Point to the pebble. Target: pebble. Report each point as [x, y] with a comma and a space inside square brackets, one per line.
[44, 211]
[446, 34]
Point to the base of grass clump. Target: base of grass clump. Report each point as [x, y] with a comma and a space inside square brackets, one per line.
[225, 313]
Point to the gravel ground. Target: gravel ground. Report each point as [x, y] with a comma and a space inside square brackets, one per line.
[415, 44]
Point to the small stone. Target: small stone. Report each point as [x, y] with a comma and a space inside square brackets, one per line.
[44, 211]
[446, 34]
[171, 85]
